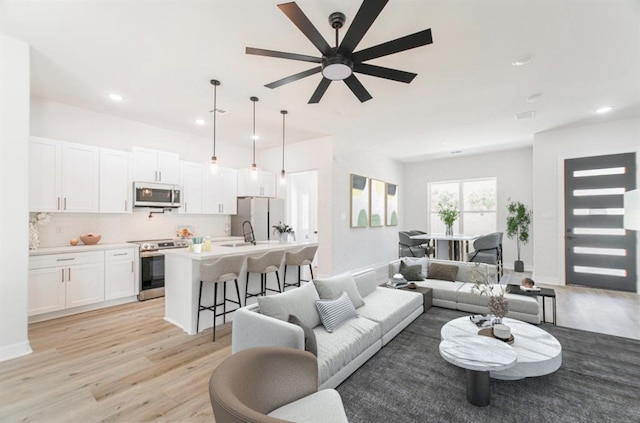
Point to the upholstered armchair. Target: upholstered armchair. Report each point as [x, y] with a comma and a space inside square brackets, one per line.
[408, 247]
[488, 249]
[272, 385]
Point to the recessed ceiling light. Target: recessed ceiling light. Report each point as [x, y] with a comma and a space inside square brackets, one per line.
[200, 121]
[534, 97]
[116, 97]
[525, 115]
[523, 60]
[605, 109]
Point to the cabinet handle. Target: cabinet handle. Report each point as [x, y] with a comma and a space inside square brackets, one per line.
[221, 208]
[160, 172]
[66, 259]
[155, 176]
[62, 280]
[120, 254]
[65, 203]
[131, 266]
[58, 208]
[69, 274]
[186, 207]
[125, 205]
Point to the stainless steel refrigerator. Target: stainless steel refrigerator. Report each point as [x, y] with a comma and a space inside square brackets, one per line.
[263, 213]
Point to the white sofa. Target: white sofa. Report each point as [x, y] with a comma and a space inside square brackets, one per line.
[458, 295]
[384, 314]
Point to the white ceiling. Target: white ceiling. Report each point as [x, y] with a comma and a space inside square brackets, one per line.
[160, 55]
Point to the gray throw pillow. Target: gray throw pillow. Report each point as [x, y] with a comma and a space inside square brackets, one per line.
[300, 302]
[422, 261]
[330, 288]
[411, 273]
[310, 343]
[333, 313]
[443, 272]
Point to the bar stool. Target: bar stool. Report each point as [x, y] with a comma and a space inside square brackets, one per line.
[265, 264]
[299, 258]
[220, 271]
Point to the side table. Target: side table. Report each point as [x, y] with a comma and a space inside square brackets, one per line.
[544, 293]
[427, 294]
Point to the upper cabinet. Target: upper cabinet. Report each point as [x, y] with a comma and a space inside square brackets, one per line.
[256, 183]
[191, 181]
[63, 177]
[220, 191]
[115, 183]
[156, 166]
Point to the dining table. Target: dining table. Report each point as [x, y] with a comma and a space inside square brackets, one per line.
[448, 247]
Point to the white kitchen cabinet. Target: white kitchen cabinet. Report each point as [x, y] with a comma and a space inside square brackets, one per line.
[220, 191]
[115, 183]
[156, 166]
[191, 181]
[119, 273]
[62, 281]
[256, 184]
[63, 177]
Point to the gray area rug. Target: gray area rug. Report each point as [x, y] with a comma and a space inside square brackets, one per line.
[408, 381]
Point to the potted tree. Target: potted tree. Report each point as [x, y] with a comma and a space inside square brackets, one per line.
[518, 222]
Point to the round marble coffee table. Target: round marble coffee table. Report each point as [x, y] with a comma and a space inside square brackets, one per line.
[539, 352]
[478, 355]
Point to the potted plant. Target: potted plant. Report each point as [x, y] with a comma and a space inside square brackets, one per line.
[448, 213]
[284, 231]
[518, 222]
[485, 282]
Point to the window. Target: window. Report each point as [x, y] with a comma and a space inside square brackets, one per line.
[476, 200]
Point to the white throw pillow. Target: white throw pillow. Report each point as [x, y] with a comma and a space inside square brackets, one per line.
[330, 288]
[333, 313]
[422, 261]
[301, 302]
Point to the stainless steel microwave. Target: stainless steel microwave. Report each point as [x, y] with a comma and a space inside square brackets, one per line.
[148, 194]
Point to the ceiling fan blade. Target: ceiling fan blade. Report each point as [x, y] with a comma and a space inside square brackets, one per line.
[282, 55]
[295, 14]
[390, 47]
[280, 82]
[319, 92]
[358, 89]
[367, 14]
[380, 72]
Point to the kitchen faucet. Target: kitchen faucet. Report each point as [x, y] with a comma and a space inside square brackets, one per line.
[248, 235]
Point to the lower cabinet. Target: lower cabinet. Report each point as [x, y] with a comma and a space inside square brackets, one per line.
[119, 274]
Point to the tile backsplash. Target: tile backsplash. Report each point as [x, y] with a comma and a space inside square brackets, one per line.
[116, 228]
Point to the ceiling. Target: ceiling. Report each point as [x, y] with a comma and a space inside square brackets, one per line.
[160, 55]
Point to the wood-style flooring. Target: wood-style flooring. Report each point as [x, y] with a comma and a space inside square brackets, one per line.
[126, 364]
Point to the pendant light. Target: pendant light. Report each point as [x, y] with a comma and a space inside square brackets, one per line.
[254, 137]
[214, 159]
[283, 175]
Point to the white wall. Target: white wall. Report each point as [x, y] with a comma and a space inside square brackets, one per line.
[514, 178]
[14, 205]
[358, 248]
[550, 149]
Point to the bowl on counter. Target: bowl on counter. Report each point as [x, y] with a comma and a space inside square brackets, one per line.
[90, 239]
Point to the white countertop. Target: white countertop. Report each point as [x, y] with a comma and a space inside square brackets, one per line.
[80, 248]
[219, 250]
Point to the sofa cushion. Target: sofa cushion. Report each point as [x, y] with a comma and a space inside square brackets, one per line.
[389, 306]
[322, 406]
[310, 343]
[366, 282]
[411, 273]
[422, 261]
[301, 302]
[330, 288]
[443, 290]
[518, 303]
[337, 349]
[333, 313]
[445, 272]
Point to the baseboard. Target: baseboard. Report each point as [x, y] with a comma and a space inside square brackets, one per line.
[15, 350]
[90, 307]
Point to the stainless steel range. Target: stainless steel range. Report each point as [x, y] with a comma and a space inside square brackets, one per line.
[152, 265]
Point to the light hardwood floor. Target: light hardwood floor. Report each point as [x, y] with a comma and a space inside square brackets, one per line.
[126, 364]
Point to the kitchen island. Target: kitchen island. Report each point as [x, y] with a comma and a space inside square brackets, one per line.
[182, 280]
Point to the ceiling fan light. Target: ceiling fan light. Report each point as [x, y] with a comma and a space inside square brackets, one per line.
[336, 68]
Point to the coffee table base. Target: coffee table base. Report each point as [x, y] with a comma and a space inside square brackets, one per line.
[478, 392]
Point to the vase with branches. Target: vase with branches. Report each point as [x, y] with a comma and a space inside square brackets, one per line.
[518, 222]
[484, 279]
[448, 213]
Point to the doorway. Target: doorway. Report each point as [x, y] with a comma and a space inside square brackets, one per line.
[302, 205]
[599, 252]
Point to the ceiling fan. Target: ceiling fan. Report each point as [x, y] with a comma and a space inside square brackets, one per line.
[339, 63]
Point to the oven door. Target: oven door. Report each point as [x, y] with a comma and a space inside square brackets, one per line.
[151, 275]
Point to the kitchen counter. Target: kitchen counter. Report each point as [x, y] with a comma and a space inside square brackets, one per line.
[81, 248]
[182, 281]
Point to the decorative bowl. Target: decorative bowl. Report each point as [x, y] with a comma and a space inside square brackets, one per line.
[90, 239]
[528, 283]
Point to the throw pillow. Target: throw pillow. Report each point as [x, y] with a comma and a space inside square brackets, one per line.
[443, 272]
[411, 273]
[333, 313]
[329, 288]
[310, 343]
[422, 261]
[300, 302]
